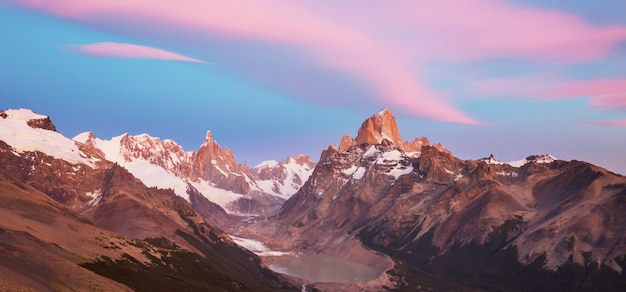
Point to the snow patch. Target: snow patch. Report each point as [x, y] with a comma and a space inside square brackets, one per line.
[507, 173]
[398, 171]
[393, 155]
[95, 196]
[359, 173]
[370, 152]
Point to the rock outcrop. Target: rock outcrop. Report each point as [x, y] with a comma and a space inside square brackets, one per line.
[44, 123]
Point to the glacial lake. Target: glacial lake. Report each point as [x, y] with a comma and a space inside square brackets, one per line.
[317, 268]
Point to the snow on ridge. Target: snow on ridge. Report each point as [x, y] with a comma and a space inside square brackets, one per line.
[16, 133]
[82, 137]
[23, 114]
[544, 158]
[266, 164]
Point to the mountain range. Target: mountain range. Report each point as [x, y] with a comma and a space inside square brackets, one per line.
[422, 218]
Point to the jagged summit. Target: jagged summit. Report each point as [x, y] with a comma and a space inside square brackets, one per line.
[379, 127]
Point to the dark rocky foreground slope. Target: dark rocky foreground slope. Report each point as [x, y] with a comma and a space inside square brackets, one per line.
[160, 244]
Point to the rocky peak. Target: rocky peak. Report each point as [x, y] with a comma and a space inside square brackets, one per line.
[379, 127]
[212, 158]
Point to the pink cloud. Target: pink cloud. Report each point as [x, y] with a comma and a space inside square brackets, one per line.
[382, 43]
[122, 50]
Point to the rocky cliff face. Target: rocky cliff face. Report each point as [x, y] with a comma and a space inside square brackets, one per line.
[212, 163]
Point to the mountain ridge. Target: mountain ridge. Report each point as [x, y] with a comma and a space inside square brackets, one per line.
[418, 209]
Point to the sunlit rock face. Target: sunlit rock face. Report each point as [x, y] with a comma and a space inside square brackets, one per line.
[379, 127]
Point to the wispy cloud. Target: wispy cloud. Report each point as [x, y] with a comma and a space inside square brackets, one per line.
[123, 50]
[383, 44]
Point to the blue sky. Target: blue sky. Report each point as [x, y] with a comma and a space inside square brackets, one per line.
[277, 78]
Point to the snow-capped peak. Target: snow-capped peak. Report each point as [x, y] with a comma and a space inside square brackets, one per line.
[543, 158]
[16, 132]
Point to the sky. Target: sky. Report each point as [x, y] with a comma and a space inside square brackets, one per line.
[275, 78]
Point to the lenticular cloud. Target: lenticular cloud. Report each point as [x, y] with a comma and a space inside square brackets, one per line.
[123, 50]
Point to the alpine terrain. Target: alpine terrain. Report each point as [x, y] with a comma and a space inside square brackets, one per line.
[141, 213]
